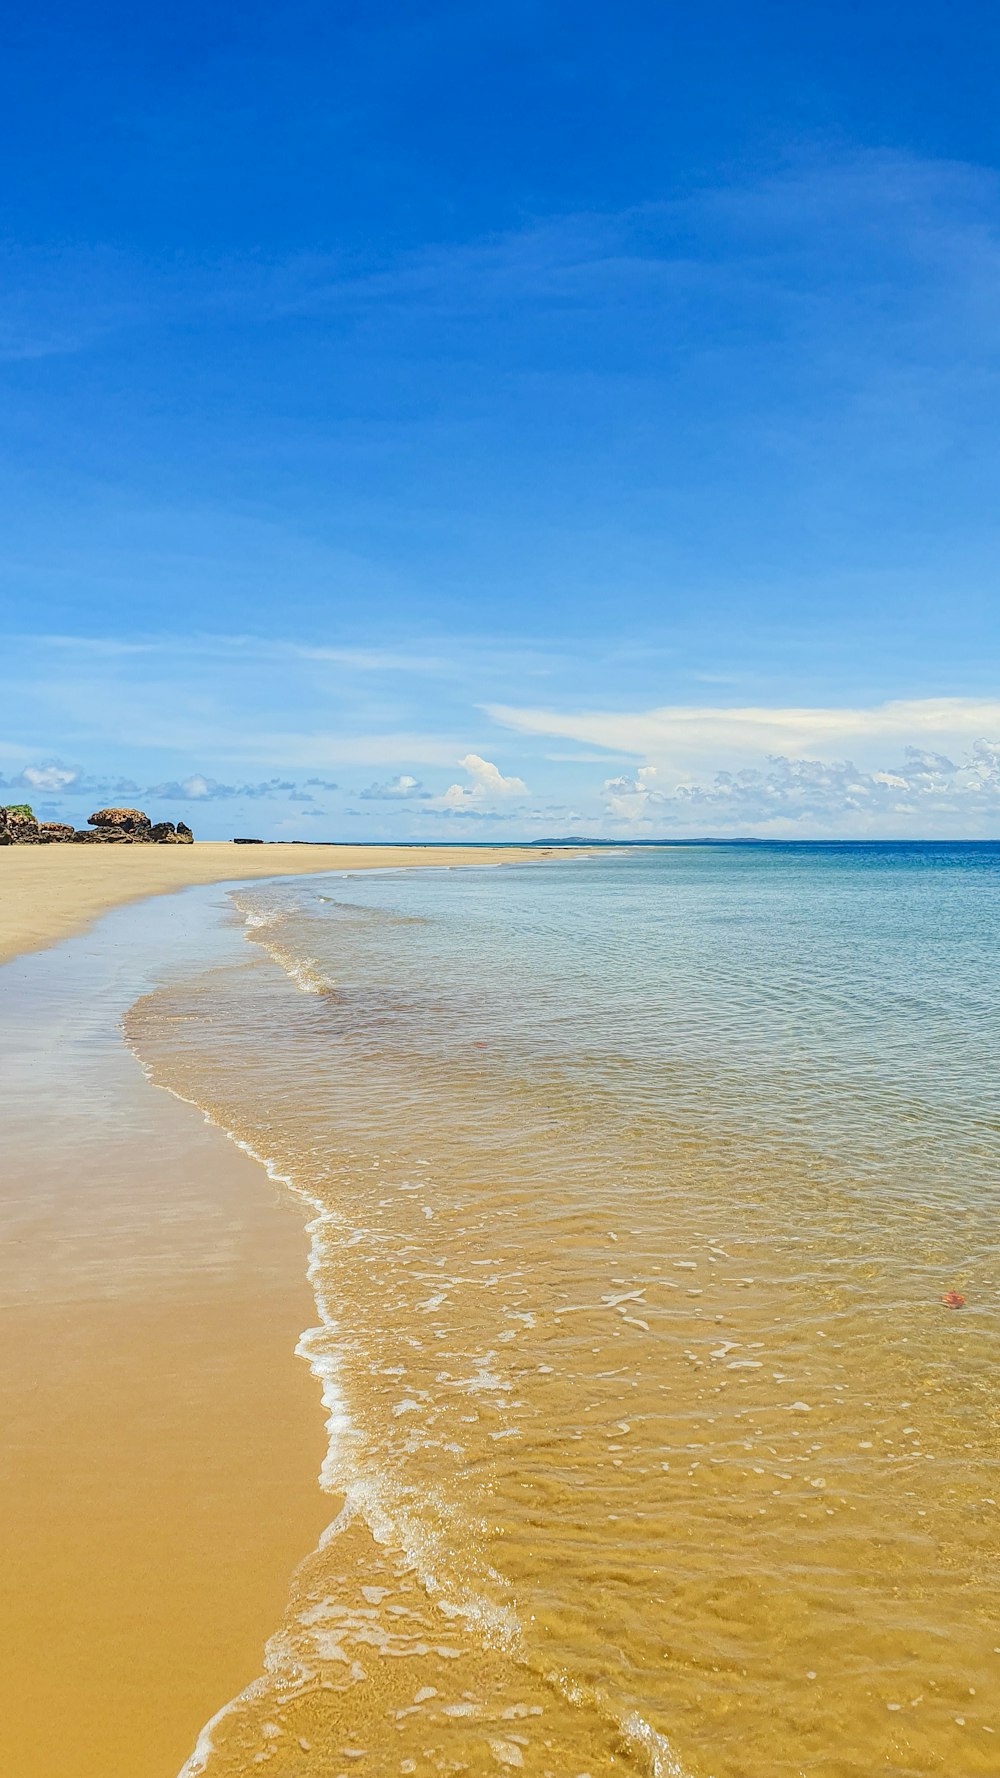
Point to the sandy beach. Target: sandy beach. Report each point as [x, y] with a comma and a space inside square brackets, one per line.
[638, 1412]
[162, 1441]
[49, 892]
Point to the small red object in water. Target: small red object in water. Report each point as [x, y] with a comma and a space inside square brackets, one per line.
[479, 1046]
[953, 1299]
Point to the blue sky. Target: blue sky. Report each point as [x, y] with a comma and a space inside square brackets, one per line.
[463, 421]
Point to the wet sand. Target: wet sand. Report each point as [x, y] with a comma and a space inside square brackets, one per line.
[49, 892]
[161, 1440]
[157, 1491]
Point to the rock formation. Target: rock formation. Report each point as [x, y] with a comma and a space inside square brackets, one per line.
[18, 827]
[130, 822]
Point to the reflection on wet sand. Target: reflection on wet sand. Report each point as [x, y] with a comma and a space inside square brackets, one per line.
[653, 1446]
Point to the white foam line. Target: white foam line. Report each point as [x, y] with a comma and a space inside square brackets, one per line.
[663, 1762]
[361, 1499]
[323, 1367]
[257, 923]
[497, 1625]
[197, 1761]
[658, 1757]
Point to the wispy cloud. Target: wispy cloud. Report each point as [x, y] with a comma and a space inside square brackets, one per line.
[678, 734]
[59, 303]
[84, 646]
[249, 648]
[359, 660]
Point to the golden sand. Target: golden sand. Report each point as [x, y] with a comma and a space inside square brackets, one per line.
[658, 1448]
[157, 1489]
[161, 1440]
[49, 892]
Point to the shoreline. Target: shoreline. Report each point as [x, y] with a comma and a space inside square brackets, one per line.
[50, 893]
[159, 1476]
[161, 1485]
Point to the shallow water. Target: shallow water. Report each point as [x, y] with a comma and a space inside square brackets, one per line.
[638, 1182]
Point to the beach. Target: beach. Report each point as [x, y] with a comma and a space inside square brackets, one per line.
[581, 1358]
[161, 1439]
[500, 1253]
[48, 892]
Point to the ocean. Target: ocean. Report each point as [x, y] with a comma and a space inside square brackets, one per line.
[652, 1207]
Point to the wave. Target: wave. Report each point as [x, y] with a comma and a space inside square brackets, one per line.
[415, 1531]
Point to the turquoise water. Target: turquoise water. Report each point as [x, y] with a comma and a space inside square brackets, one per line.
[831, 994]
[638, 1183]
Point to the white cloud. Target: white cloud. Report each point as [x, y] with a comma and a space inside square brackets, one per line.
[403, 788]
[628, 799]
[487, 787]
[925, 792]
[60, 781]
[690, 736]
[50, 777]
[198, 788]
[470, 811]
[488, 780]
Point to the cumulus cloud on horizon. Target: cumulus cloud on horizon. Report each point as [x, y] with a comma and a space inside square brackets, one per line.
[199, 788]
[487, 786]
[813, 792]
[55, 779]
[894, 789]
[403, 788]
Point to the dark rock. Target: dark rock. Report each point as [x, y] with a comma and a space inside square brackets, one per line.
[18, 827]
[130, 821]
[244, 842]
[129, 827]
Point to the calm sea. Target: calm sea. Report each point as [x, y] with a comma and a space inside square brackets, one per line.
[636, 1184]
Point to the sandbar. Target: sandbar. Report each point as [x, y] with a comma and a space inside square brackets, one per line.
[49, 892]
